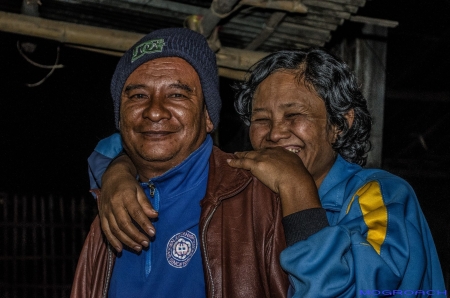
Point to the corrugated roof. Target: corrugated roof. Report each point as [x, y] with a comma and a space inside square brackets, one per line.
[239, 29]
[243, 30]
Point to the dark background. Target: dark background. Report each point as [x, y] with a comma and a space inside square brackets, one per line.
[47, 132]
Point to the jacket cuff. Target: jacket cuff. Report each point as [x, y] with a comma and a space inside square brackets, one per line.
[300, 225]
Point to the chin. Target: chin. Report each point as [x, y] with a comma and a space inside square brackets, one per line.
[158, 157]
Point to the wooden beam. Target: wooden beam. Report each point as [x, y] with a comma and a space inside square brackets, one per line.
[108, 41]
[285, 5]
[374, 21]
[269, 26]
[64, 32]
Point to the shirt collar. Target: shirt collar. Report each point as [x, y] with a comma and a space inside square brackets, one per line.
[331, 190]
[188, 174]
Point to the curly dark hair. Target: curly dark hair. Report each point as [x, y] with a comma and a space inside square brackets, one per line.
[332, 80]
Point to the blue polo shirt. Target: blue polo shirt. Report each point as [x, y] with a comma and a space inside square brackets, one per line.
[172, 265]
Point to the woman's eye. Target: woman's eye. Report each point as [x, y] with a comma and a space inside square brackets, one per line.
[260, 120]
[292, 115]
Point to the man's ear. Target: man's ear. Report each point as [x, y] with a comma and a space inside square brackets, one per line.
[209, 124]
[350, 116]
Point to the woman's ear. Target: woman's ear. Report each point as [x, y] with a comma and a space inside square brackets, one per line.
[336, 133]
[350, 116]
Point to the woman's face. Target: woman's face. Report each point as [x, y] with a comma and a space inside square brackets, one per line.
[288, 114]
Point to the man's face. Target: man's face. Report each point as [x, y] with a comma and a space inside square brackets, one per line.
[287, 114]
[163, 118]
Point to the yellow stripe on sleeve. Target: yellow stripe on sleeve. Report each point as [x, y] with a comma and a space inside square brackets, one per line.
[374, 213]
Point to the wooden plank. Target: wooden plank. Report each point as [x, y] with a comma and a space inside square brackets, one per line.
[311, 23]
[68, 32]
[250, 26]
[328, 12]
[144, 7]
[313, 19]
[232, 73]
[311, 32]
[331, 5]
[359, 3]
[235, 28]
[374, 21]
[237, 58]
[286, 39]
[269, 27]
[281, 39]
[106, 39]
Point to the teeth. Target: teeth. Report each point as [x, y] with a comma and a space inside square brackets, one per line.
[294, 150]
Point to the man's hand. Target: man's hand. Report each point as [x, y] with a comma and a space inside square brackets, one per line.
[284, 173]
[121, 201]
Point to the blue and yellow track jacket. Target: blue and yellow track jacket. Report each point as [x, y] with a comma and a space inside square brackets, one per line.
[378, 242]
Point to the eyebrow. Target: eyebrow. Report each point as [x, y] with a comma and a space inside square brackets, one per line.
[283, 106]
[258, 110]
[182, 86]
[133, 87]
[177, 85]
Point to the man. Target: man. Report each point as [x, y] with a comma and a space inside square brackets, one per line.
[215, 230]
[368, 235]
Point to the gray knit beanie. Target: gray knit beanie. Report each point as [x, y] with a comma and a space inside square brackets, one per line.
[172, 42]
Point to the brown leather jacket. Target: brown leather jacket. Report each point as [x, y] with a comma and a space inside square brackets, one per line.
[241, 237]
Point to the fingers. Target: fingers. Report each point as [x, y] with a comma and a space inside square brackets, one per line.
[125, 222]
[129, 235]
[241, 161]
[119, 228]
[247, 160]
[242, 154]
[146, 211]
[270, 165]
[111, 230]
[109, 236]
[258, 154]
[121, 216]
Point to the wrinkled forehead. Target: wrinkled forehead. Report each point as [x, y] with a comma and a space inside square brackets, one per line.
[281, 81]
[178, 66]
[284, 89]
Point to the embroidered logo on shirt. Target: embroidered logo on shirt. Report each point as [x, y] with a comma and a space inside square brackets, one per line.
[181, 248]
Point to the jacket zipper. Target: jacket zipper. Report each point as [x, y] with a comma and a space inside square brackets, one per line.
[204, 247]
[148, 258]
[108, 272]
[152, 188]
[208, 219]
[109, 266]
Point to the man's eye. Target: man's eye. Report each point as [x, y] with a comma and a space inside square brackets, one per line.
[138, 96]
[177, 95]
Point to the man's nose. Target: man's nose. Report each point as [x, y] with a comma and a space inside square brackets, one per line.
[279, 130]
[156, 110]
